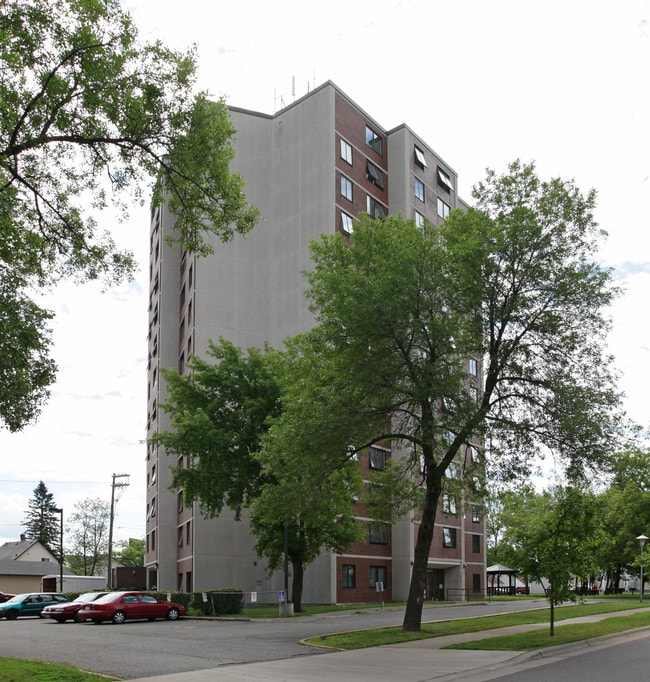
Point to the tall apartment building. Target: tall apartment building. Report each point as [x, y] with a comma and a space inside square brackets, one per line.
[310, 168]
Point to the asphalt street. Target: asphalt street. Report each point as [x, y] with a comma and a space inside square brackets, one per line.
[142, 649]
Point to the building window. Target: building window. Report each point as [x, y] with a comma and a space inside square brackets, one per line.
[153, 540]
[476, 514]
[448, 504]
[476, 582]
[419, 189]
[375, 209]
[346, 152]
[180, 501]
[374, 174]
[444, 180]
[346, 187]
[377, 459]
[419, 157]
[373, 140]
[449, 538]
[378, 534]
[476, 544]
[349, 579]
[347, 223]
[188, 582]
[180, 536]
[188, 533]
[473, 367]
[378, 574]
[419, 219]
[443, 209]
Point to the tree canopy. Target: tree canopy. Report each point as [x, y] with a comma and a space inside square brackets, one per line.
[88, 537]
[554, 535]
[488, 329]
[221, 413]
[131, 552]
[92, 117]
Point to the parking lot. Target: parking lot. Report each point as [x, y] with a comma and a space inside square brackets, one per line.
[141, 648]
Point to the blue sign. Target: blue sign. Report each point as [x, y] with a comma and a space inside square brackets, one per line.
[282, 597]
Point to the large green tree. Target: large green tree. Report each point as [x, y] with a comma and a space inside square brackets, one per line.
[305, 490]
[298, 500]
[130, 552]
[624, 514]
[42, 522]
[91, 117]
[26, 369]
[555, 534]
[88, 536]
[512, 282]
[218, 414]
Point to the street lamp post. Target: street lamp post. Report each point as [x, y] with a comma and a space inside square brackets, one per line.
[642, 540]
[59, 510]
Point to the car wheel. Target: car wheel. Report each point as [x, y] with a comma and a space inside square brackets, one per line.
[118, 617]
[12, 614]
[173, 614]
[77, 618]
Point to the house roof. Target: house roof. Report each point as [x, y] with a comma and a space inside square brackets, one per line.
[498, 568]
[39, 568]
[13, 550]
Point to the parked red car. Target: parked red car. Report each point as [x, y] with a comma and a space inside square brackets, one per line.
[5, 597]
[61, 612]
[121, 606]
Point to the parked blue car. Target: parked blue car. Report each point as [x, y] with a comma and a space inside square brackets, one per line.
[29, 604]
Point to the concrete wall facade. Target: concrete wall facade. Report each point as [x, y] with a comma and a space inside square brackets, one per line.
[250, 291]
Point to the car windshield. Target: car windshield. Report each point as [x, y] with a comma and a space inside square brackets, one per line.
[110, 596]
[17, 599]
[89, 596]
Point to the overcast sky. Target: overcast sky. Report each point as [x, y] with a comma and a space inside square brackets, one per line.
[562, 83]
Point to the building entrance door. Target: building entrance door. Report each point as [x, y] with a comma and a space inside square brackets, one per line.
[436, 584]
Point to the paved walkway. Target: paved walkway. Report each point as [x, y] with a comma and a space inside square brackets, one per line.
[418, 661]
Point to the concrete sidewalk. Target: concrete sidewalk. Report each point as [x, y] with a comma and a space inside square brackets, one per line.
[417, 661]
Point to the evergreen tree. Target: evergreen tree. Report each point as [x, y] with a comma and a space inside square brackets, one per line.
[42, 523]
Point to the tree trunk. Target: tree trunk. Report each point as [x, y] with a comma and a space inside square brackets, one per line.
[296, 585]
[413, 614]
[552, 601]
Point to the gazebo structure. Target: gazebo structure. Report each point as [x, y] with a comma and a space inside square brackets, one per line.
[496, 585]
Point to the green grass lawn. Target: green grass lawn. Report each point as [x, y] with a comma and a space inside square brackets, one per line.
[564, 634]
[16, 670]
[394, 635]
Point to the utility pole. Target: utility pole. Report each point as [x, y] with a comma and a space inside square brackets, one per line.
[59, 510]
[120, 485]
